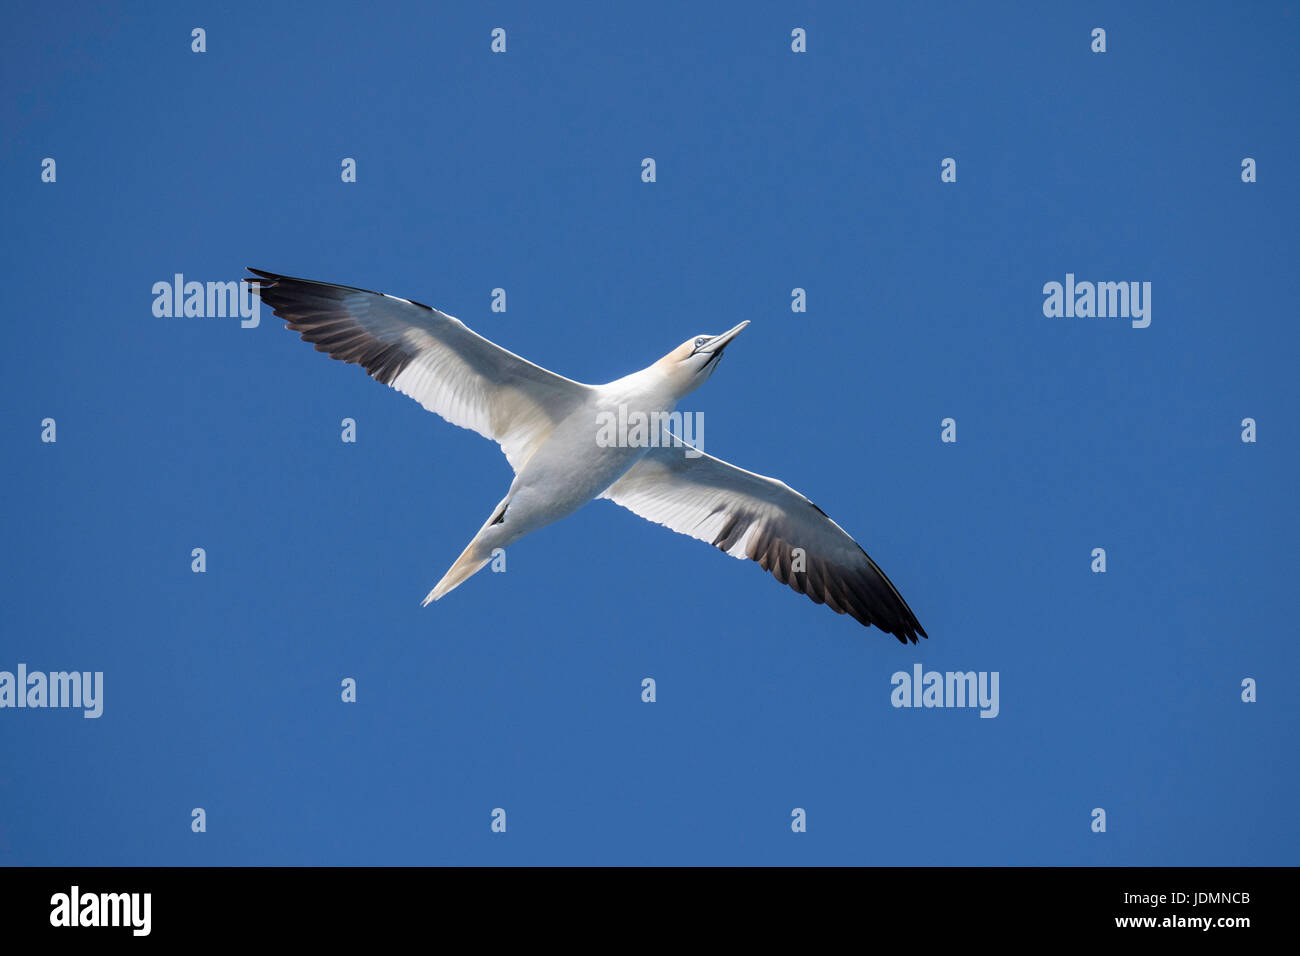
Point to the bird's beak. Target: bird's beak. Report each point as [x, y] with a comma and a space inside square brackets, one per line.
[719, 342]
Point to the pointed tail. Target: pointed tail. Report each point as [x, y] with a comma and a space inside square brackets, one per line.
[467, 565]
[471, 560]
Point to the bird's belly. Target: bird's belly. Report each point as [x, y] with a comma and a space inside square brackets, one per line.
[577, 470]
[572, 467]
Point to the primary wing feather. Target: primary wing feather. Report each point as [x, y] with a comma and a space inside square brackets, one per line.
[430, 356]
[765, 520]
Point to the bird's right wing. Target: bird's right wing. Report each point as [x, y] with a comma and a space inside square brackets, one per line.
[765, 520]
[432, 357]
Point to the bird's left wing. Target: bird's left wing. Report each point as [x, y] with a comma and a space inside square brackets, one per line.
[765, 520]
[431, 356]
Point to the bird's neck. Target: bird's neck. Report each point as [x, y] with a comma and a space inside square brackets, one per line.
[651, 389]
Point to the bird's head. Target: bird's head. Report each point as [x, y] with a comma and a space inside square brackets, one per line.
[690, 364]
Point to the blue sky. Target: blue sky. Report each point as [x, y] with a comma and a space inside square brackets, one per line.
[775, 170]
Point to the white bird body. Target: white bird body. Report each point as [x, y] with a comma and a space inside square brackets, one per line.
[550, 429]
[573, 462]
[568, 470]
[570, 467]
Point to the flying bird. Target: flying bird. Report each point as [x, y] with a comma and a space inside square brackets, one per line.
[547, 425]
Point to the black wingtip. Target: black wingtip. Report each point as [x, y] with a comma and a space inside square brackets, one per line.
[907, 630]
[911, 637]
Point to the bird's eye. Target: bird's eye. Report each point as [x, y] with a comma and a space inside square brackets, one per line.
[701, 340]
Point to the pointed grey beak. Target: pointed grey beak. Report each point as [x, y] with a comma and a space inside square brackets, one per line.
[719, 342]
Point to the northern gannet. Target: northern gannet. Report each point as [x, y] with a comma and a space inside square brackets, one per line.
[547, 426]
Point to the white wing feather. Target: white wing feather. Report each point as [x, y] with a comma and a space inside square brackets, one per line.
[430, 356]
[765, 520]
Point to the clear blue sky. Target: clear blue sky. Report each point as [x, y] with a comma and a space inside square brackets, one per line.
[775, 170]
